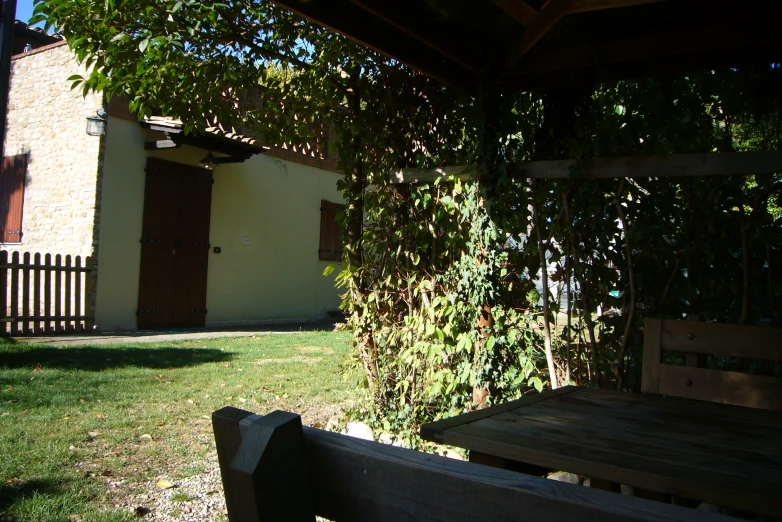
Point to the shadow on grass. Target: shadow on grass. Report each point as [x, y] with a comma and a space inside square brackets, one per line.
[103, 358]
[15, 491]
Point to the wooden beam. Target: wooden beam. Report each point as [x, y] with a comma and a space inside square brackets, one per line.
[553, 12]
[548, 18]
[519, 10]
[690, 40]
[407, 29]
[674, 165]
[583, 6]
[362, 27]
[462, 173]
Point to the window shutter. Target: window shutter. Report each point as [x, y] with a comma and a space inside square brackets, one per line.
[330, 243]
[12, 178]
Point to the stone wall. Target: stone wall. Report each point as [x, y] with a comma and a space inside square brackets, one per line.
[48, 119]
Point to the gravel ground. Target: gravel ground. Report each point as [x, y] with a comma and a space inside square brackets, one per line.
[193, 499]
[198, 498]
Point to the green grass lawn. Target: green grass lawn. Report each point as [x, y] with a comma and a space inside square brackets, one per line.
[83, 427]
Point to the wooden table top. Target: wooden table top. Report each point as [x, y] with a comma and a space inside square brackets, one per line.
[726, 455]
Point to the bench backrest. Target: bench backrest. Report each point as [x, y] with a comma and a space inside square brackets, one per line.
[272, 469]
[694, 380]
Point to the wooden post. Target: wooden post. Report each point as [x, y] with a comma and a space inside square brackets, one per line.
[68, 324]
[26, 293]
[650, 368]
[4, 288]
[37, 293]
[14, 292]
[79, 324]
[225, 424]
[47, 293]
[267, 478]
[90, 291]
[58, 323]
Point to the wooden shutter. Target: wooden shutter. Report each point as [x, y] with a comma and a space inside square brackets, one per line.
[12, 178]
[330, 242]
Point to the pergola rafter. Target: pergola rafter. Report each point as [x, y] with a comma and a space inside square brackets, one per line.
[667, 166]
[536, 44]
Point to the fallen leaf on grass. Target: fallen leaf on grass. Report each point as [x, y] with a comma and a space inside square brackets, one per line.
[72, 447]
[93, 434]
[100, 416]
[146, 436]
[74, 518]
[5, 414]
[164, 484]
[190, 401]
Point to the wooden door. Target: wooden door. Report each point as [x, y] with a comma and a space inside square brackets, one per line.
[174, 246]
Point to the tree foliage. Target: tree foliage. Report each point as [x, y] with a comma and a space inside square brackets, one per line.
[442, 279]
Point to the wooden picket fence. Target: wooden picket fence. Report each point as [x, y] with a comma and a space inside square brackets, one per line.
[44, 294]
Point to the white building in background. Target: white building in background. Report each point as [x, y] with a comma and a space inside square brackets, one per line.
[174, 244]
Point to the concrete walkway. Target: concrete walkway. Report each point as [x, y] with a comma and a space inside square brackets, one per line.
[155, 336]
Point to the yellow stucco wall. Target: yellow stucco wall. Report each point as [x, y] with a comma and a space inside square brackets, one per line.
[273, 204]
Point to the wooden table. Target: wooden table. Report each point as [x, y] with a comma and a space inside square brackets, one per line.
[725, 455]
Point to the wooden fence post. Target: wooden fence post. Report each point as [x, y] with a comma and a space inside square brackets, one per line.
[26, 293]
[47, 293]
[37, 293]
[14, 292]
[68, 273]
[58, 324]
[90, 292]
[267, 478]
[4, 289]
[225, 424]
[79, 324]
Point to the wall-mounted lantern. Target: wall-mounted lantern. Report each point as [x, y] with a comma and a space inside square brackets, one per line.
[208, 162]
[96, 125]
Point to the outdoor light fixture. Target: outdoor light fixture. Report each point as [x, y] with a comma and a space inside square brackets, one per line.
[208, 162]
[96, 125]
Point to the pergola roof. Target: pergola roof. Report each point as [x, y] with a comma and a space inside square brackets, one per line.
[543, 44]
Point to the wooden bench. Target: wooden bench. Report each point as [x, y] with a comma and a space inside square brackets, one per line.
[694, 380]
[273, 469]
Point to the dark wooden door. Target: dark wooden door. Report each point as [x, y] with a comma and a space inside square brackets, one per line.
[174, 246]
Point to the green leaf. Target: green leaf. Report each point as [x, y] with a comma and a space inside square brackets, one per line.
[536, 382]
